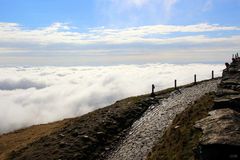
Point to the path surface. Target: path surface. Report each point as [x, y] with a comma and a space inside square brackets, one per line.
[151, 126]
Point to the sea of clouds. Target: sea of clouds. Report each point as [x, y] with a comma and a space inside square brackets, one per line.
[36, 95]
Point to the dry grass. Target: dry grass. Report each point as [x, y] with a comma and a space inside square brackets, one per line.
[16, 140]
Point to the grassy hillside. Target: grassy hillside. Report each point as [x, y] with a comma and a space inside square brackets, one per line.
[21, 138]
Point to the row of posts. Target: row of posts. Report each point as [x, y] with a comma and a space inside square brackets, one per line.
[175, 83]
[195, 80]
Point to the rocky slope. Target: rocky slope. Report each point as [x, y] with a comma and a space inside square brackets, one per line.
[209, 129]
[181, 139]
[221, 129]
[152, 125]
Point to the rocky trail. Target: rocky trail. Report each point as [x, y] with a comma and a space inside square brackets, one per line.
[151, 126]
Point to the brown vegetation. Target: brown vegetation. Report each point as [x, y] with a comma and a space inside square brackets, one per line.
[21, 138]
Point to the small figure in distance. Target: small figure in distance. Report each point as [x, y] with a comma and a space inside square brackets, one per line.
[227, 65]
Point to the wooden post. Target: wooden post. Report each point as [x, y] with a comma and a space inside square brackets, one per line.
[212, 74]
[195, 79]
[175, 84]
[153, 87]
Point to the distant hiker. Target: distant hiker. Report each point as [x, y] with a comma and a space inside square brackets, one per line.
[153, 94]
[227, 65]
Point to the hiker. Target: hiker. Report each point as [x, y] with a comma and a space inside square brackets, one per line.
[227, 65]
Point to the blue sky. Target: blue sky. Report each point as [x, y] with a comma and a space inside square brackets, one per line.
[99, 32]
[95, 13]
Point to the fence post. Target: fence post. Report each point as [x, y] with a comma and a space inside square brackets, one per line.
[153, 87]
[212, 74]
[175, 84]
[195, 79]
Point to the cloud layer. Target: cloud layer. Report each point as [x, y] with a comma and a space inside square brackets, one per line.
[34, 95]
[60, 42]
[59, 33]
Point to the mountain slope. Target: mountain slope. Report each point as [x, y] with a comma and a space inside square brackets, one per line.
[77, 138]
[90, 136]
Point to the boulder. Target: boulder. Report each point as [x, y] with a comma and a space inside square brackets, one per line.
[231, 81]
[228, 101]
[223, 92]
[221, 135]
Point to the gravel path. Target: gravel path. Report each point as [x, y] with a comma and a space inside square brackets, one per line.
[151, 126]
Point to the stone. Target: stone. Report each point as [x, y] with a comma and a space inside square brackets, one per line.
[222, 92]
[230, 82]
[100, 133]
[233, 70]
[228, 101]
[221, 127]
[176, 127]
[61, 135]
[86, 136]
[107, 148]
[221, 132]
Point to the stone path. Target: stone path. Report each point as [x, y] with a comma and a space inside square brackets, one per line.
[151, 126]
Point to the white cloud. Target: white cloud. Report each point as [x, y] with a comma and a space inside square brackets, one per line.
[44, 94]
[59, 33]
[59, 39]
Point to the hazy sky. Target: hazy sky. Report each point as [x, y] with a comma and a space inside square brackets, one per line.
[105, 32]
